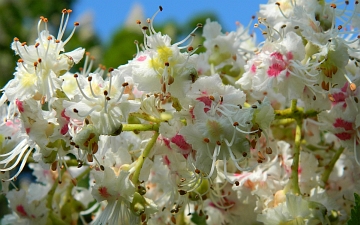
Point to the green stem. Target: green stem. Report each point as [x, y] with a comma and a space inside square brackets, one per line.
[146, 117]
[294, 178]
[140, 160]
[329, 167]
[140, 127]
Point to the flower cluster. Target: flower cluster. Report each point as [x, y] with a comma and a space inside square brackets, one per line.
[263, 133]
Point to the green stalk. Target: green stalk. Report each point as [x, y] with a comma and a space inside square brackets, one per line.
[140, 127]
[294, 178]
[329, 167]
[140, 160]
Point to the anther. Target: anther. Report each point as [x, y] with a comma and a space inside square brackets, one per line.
[237, 183]
[352, 87]
[167, 64]
[75, 110]
[182, 192]
[254, 106]
[333, 6]
[87, 121]
[54, 165]
[145, 28]
[296, 27]
[160, 8]
[244, 154]
[39, 60]
[199, 25]
[277, 3]
[69, 11]
[76, 24]
[197, 171]
[206, 140]
[76, 76]
[283, 26]
[190, 49]
[235, 124]
[35, 64]
[125, 84]
[211, 98]
[356, 99]
[37, 45]
[268, 150]
[106, 93]
[102, 167]
[331, 98]
[340, 27]
[63, 11]
[110, 69]
[89, 78]
[218, 142]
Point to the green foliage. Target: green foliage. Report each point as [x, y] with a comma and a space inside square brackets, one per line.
[355, 212]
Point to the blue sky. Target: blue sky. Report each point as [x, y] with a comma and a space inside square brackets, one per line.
[110, 14]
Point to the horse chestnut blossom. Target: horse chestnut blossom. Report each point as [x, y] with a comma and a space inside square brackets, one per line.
[241, 133]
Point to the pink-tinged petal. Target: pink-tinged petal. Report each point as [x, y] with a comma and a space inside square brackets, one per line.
[289, 56]
[340, 123]
[277, 55]
[103, 192]
[64, 115]
[343, 136]
[27, 130]
[20, 209]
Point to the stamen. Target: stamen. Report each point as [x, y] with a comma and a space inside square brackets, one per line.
[83, 94]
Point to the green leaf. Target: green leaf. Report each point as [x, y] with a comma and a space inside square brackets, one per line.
[355, 212]
[197, 219]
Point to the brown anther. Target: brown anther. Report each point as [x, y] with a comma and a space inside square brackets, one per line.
[237, 183]
[206, 140]
[20, 60]
[352, 87]
[182, 192]
[332, 5]
[277, 3]
[167, 64]
[240, 107]
[244, 154]
[89, 78]
[63, 11]
[221, 98]
[80, 164]
[95, 148]
[90, 158]
[253, 143]
[254, 106]
[268, 150]
[86, 121]
[325, 85]
[259, 161]
[37, 45]
[197, 171]
[173, 219]
[340, 27]
[110, 69]
[75, 75]
[39, 60]
[106, 93]
[211, 98]
[76, 24]
[108, 98]
[102, 167]
[160, 8]
[356, 99]
[356, 2]
[49, 38]
[199, 25]
[145, 28]
[69, 11]
[45, 20]
[218, 142]
[138, 22]
[54, 165]
[16, 39]
[347, 2]
[331, 97]
[190, 49]
[148, 20]
[57, 41]
[43, 100]
[75, 110]
[283, 26]
[314, 97]
[296, 27]
[35, 64]
[125, 84]
[235, 124]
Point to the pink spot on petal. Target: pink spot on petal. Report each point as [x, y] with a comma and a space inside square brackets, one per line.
[166, 160]
[27, 130]
[141, 58]
[340, 123]
[64, 129]
[20, 209]
[253, 68]
[20, 106]
[103, 192]
[343, 136]
[275, 69]
[64, 115]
